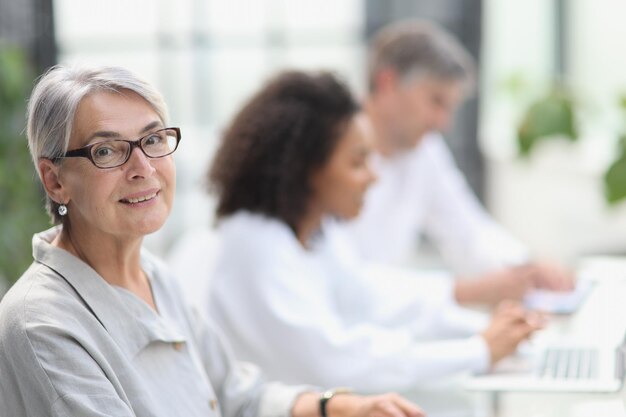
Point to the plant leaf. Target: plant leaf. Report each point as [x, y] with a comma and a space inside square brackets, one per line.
[551, 116]
[615, 180]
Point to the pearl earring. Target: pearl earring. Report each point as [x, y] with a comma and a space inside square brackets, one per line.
[62, 210]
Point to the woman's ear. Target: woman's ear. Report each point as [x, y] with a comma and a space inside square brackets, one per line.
[49, 174]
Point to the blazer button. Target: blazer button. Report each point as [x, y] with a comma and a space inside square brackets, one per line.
[178, 346]
[213, 404]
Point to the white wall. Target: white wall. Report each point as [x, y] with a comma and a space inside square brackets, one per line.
[207, 57]
[554, 201]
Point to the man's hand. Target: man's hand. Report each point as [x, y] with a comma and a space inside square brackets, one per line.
[510, 324]
[513, 283]
[491, 288]
[549, 276]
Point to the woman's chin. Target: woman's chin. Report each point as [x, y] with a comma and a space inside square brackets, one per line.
[149, 225]
[152, 230]
[348, 215]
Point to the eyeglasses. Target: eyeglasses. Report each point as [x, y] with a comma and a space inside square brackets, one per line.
[114, 153]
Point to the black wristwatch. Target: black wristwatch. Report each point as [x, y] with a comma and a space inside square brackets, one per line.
[327, 395]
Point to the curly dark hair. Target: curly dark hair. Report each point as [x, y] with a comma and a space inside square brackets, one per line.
[277, 141]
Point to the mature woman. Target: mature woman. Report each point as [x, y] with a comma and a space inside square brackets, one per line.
[96, 327]
[286, 289]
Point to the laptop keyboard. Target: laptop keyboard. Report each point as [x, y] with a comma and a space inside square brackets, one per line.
[569, 364]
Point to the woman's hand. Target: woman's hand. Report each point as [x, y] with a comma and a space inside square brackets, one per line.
[510, 324]
[350, 405]
[386, 405]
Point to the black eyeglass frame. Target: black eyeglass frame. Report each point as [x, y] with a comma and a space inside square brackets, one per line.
[85, 151]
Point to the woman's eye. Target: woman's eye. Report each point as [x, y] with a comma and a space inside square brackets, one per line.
[103, 152]
[153, 140]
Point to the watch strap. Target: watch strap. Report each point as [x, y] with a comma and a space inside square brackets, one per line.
[327, 395]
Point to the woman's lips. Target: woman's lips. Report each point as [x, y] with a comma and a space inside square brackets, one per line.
[140, 197]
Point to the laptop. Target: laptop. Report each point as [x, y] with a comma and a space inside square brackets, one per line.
[558, 367]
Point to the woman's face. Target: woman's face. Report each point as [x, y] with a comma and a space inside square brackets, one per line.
[131, 200]
[339, 186]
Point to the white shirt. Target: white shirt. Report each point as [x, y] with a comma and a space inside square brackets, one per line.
[312, 316]
[423, 192]
[73, 345]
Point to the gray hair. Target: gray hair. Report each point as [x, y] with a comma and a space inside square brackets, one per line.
[55, 98]
[417, 48]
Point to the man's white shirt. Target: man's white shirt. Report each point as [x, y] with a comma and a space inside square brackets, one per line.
[422, 192]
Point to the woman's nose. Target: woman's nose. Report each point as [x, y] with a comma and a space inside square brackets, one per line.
[139, 164]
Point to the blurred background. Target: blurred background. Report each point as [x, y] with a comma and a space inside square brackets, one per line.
[540, 140]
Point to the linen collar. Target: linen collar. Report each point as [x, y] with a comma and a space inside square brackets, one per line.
[129, 321]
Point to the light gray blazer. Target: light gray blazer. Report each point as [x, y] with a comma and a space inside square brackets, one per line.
[73, 345]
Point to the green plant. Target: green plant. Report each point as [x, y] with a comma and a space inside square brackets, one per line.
[550, 116]
[21, 199]
[615, 176]
[555, 116]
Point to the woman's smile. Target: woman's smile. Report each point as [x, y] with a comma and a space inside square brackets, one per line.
[141, 198]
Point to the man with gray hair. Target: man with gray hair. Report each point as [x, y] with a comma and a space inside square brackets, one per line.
[418, 76]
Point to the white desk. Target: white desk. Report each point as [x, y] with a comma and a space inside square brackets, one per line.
[601, 318]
